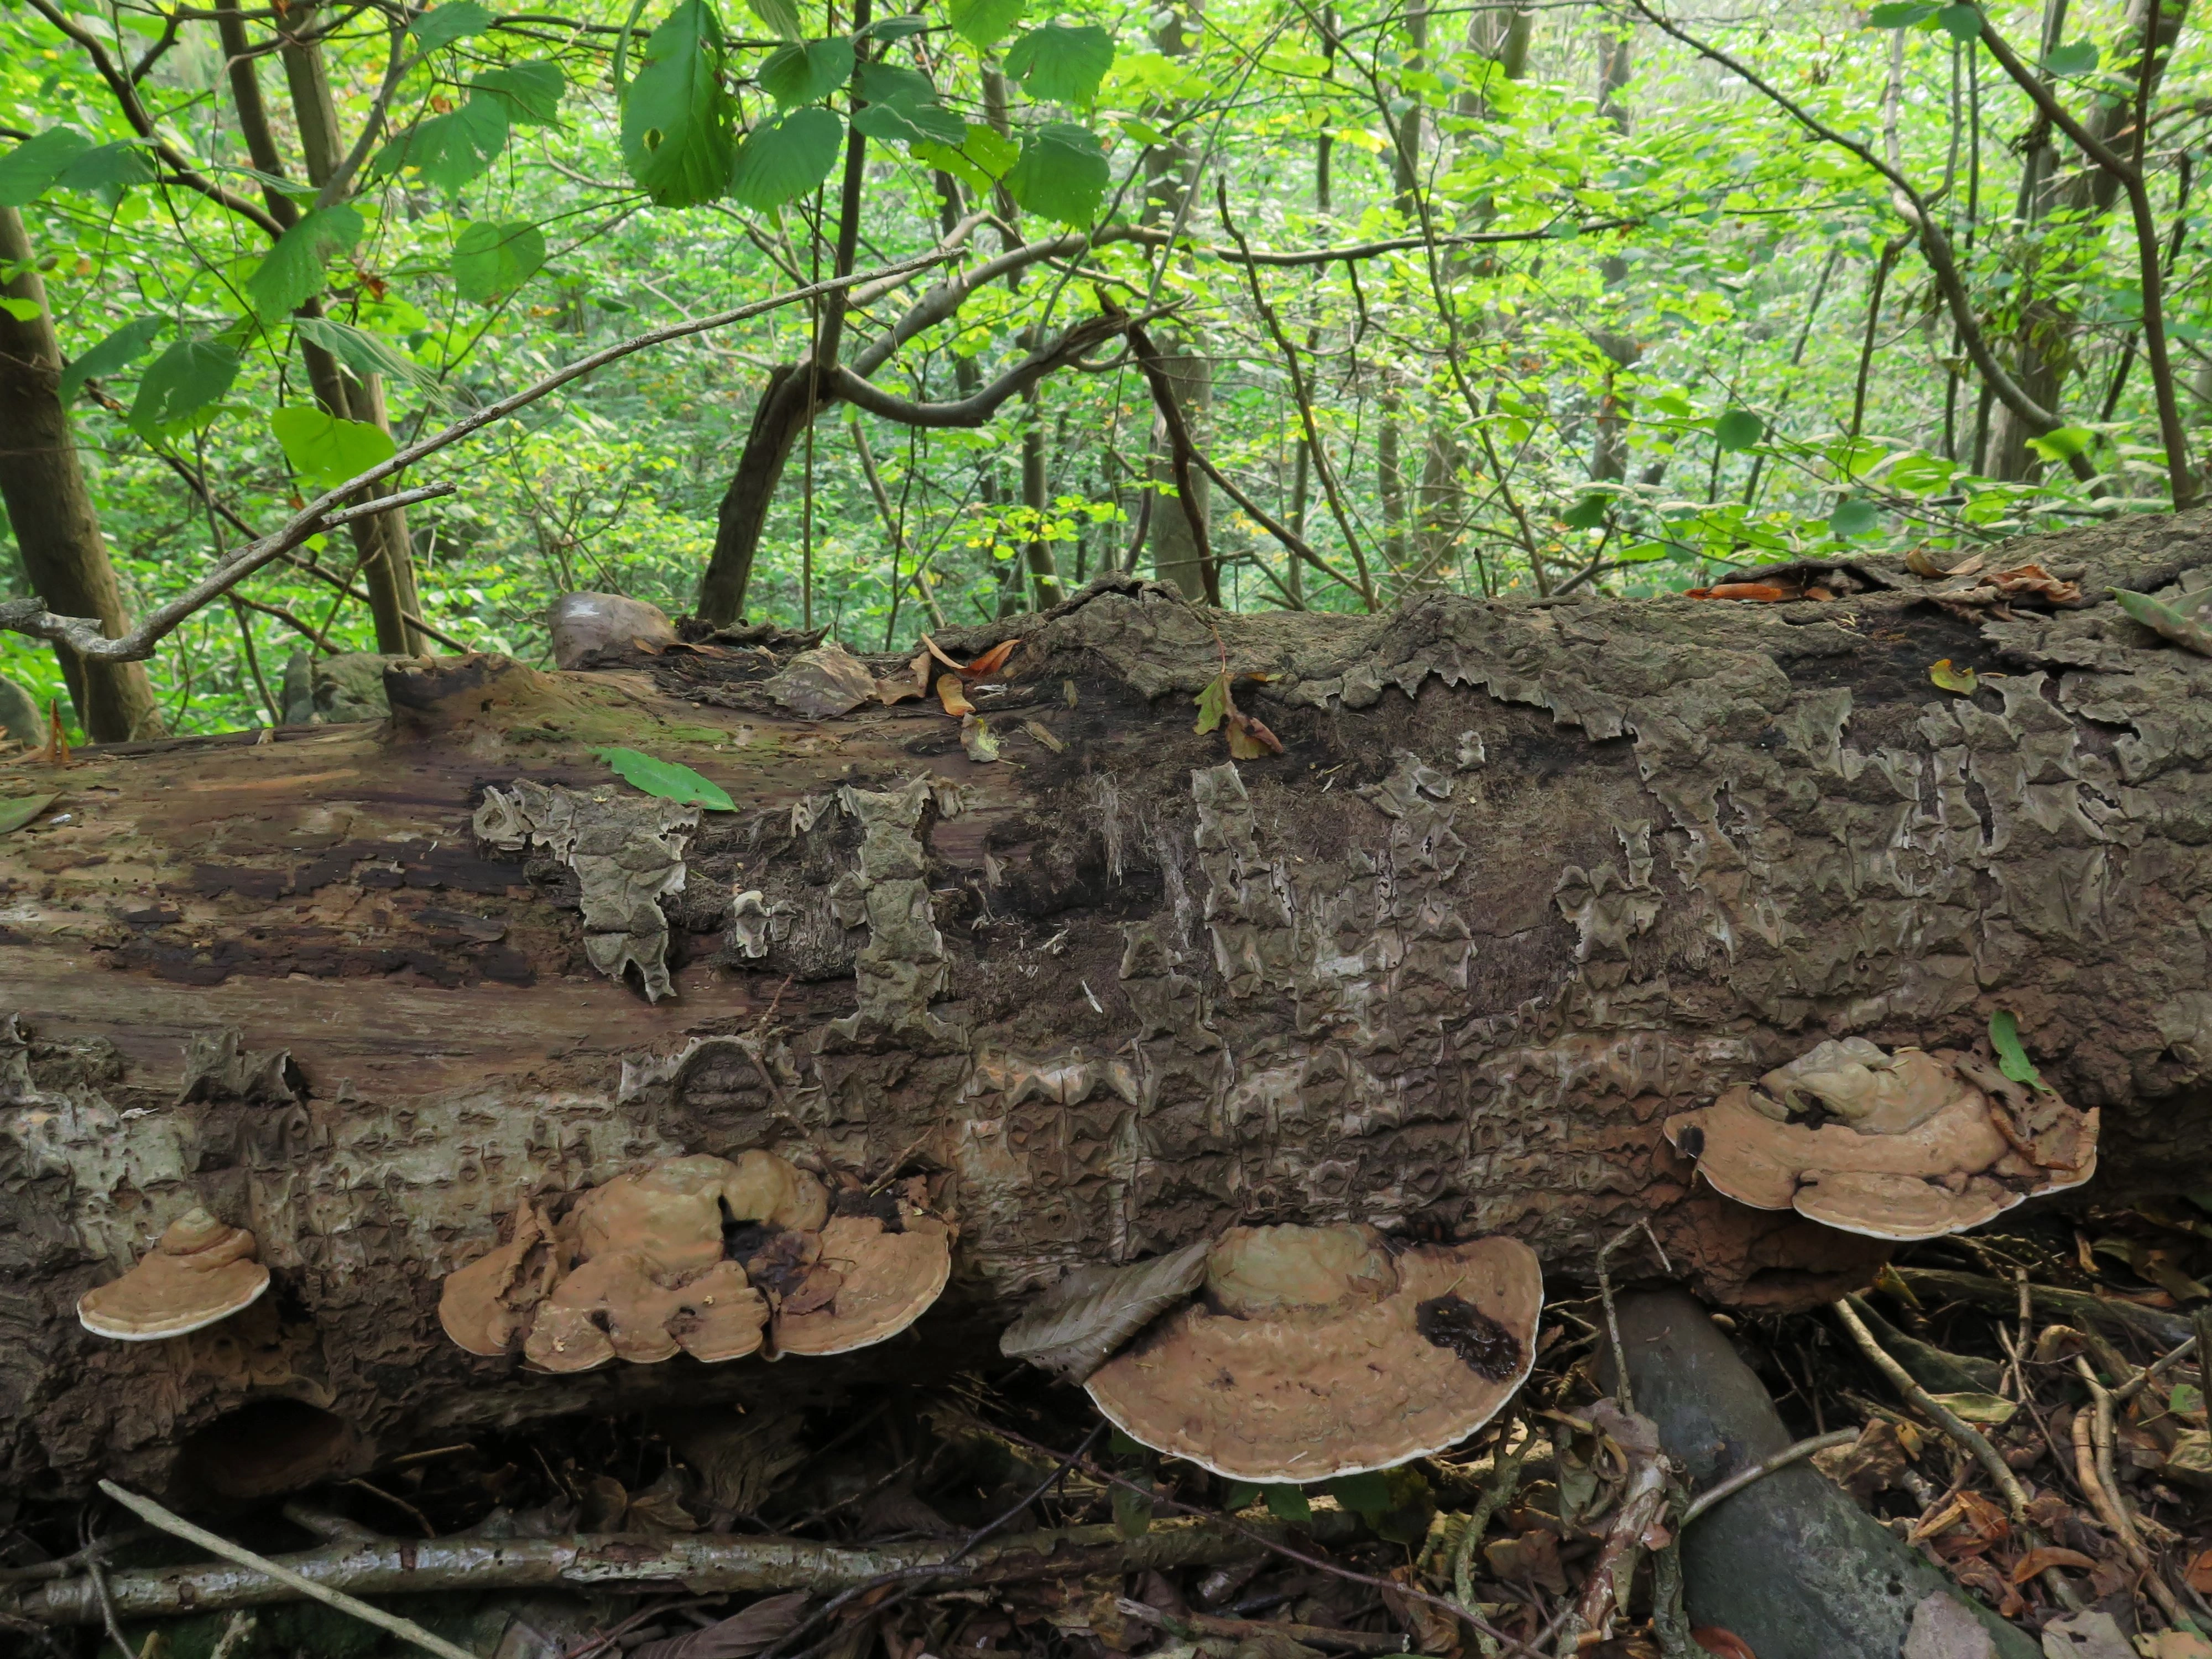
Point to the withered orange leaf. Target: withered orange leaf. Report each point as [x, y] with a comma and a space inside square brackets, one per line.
[1754, 592]
[991, 660]
[1726, 1642]
[953, 695]
[2038, 1561]
[1248, 739]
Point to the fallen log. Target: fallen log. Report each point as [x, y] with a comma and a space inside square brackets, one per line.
[1527, 878]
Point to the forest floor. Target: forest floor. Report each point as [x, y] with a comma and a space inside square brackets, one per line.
[2062, 1344]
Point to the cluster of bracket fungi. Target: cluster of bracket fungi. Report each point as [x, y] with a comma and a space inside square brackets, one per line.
[1271, 1353]
[715, 1257]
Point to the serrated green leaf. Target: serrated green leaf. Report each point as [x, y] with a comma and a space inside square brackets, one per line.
[454, 20]
[291, 273]
[909, 124]
[452, 149]
[324, 450]
[781, 17]
[1854, 517]
[1060, 174]
[805, 73]
[183, 385]
[1960, 22]
[1061, 64]
[107, 171]
[2076, 57]
[980, 159]
[30, 167]
[1213, 702]
[126, 345]
[894, 84]
[530, 92]
[676, 117]
[491, 261]
[2012, 1057]
[362, 352]
[781, 159]
[1588, 513]
[670, 780]
[985, 22]
[1288, 1504]
[1738, 428]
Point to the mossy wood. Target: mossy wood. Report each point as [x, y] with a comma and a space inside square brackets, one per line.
[1528, 879]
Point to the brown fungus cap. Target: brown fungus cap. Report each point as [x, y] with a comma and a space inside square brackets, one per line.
[199, 1271]
[1316, 1351]
[1893, 1146]
[487, 1306]
[871, 1279]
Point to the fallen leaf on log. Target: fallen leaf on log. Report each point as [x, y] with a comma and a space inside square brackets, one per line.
[739, 1636]
[2199, 1572]
[1750, 593]
[2033, 581]
[818, 683]
[1726, 1642]
[982, 667]
[669, 779]
[1869, 1465]
[975, 737]
[2039, 1561]
[2091, 1635]
[953, 695]
[1074, 1327]
[1952, 678]
[16, 810]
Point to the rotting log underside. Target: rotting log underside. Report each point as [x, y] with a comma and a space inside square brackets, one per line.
[1528, 878]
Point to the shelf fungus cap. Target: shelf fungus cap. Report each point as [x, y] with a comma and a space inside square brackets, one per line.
[1897, 1146]
[198, 1272]
[1319, 1351]
[873, 1277]
[486, 1307]
[620, 1306]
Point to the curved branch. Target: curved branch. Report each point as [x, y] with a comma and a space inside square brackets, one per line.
[977, 408]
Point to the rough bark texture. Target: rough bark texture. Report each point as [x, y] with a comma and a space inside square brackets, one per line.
[1527, 878]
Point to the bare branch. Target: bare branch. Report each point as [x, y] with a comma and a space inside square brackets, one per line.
[977, 409]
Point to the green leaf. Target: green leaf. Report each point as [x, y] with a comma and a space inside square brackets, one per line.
[291, 273]
[897, 27]
[491, 261]
[2062, 443]
[16, 810]
[676, 117]
[781, 17]
[450, 150]
[1961, 22]
[781, 159]
[1061, 172]
[1212, 704]
[666, 779]
[454, 20]
[910, 123]
[2167, 620]
[324, 450]
[107, 171]
[2077, 58]
[2012, 1057]
[1240, 1495]
[1288, 1504]
[893, 83]
[26, 170]
[979, 161]
[531, 93]
[364, 353]
[806, 73]
[183, 383]
[23, 310]
[1588, 513]
[1854, 517]
[1901, 14]
[1738, 428]
[1133, 1513]
[126, 345]
[1366, 1495]
[1061, 64]
[985, 22]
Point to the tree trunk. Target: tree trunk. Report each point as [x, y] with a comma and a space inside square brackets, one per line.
[1616, 47]
[1529, 876]
[49, 506]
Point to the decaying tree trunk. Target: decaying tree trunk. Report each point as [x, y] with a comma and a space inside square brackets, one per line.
[1527, 877]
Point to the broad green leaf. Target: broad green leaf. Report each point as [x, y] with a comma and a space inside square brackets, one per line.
[985, 22]
[2076, 57]
[1738, 428]
[26, 170]
[182, 384]
[491, 261]
[806, 73]
[291, 273]
[1918, 473]
[1901, 14]
[1990, 1411]
[676, 117]
[364, 353]
[2062, 443]
[979, 161]
[450, 150]
[23, 310]
[1061, 64]
[1133, 1513]
[324, 450]
[781, 159]
[16, 810]
[895, 27]
[454, 20]
[1961, 22]
[1366, 1495]
[1062, 174]
[781, 17]
[893, 83]
[667, 779]
[1240, 1495]
[1288, 1504]
[126, 345]
[1587, 513]
[910, 123]
[107, 171]
[2012, 1057]
[531, 92]
[1854, 517]
[2167, 620]
[1213, 702]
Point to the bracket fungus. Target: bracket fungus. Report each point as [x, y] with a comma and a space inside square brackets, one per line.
[1316, 1351]
[198, 1271]
[1903, 1145]
[710, 1256]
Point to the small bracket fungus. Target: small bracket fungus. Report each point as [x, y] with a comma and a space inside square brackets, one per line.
[1896, 1147]
[1325, 1351]
[699, 1254]
[199, 1271]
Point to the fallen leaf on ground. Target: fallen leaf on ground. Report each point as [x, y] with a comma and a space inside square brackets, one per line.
[983, 666]
[2199, 1573]
[2090, 1635]
[2033, 581]
[825, 681]
[2174, 1644]
[2177, 622]
[55, 750]
[2042, 1560]
[739, 1636]
[16, 810]
[669, 779]
[954, 697]
[1944, 1627]
[1752, 592]
[1985, 1410]
[1533, 1558]
[975, 738]
[1726, 1642]
[1869, 1465]
[1952, 678]
[1043, 736]
[1248, 739]
[891, 691]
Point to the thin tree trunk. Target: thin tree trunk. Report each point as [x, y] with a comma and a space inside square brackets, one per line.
[57, 529]
[1616, 44]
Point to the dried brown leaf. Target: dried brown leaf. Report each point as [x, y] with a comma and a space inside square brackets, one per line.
[1044, 736]
[825, 681]
[739, 1636]
[953, 695]
[977, 737]
[1075, 1327]
[1248, 739]
[1726, 1642]
[991, 660]
[2042, 1560]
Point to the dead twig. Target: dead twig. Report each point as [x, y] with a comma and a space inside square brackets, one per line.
[1962, 1433]
[1766, 1466]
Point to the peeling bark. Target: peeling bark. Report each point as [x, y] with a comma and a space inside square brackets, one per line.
[1528, 878]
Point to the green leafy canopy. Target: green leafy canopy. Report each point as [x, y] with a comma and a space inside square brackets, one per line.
[491, 261]
[1062, 174]
[1061, 64]
[291, 273]
[781, 159]
[183, 385]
